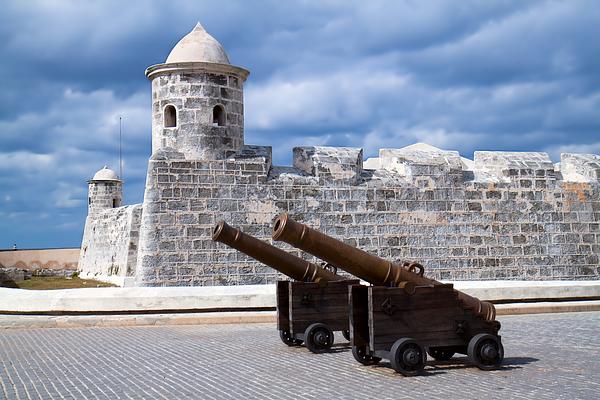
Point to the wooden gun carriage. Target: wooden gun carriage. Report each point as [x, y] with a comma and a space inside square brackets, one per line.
[403, 316]
[310, 308]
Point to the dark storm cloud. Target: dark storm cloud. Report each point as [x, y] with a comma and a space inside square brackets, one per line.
[494, 75]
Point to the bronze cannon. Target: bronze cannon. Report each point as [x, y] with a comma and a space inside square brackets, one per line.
[310, 308]
[404, 316]
[284, 262]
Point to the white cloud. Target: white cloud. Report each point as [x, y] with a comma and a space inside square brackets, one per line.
[24, 161]
[76, 122]
[52, 29]
[68, 195]
[344, 96]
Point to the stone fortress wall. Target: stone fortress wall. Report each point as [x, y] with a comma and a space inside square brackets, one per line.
[109, 245]
[499, 216]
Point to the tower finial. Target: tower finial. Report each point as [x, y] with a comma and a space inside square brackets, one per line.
[199, 27]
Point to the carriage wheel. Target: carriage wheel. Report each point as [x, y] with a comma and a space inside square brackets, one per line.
[360, 355]
[486, 351]
[407, 357]
[286, 337]
[318, 338]
[346, 335]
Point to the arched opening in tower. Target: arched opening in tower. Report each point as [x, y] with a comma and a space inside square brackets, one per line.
[218, 115]
[170, 117]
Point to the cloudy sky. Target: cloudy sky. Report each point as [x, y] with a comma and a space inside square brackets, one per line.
[461, 75]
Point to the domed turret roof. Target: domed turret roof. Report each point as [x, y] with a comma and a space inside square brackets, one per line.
[106, 174]
[198, 46]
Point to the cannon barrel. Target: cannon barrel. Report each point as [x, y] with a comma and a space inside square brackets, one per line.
[368, 267]
[284, 262]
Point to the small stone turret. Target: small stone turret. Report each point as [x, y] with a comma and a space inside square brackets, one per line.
[197, 100]
[105, 191]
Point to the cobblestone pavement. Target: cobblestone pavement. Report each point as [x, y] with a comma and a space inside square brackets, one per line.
[548, 356]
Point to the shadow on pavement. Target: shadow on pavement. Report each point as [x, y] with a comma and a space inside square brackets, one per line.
[339, 348]
[440, 367]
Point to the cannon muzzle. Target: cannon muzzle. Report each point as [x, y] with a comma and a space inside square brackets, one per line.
[368, 267]
[284, 262]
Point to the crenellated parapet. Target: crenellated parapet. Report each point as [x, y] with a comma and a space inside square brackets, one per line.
[332, 165]
[580, 167]
[426, 166]
[422, 166]
[512, 166]
[503, 215]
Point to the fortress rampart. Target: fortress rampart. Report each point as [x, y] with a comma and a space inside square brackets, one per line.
[109, 247]
[499, 216]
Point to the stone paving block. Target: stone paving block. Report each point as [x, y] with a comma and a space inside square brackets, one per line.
[550, 356]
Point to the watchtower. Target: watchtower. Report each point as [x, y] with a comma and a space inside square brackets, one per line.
[197, 99]
[105, 191]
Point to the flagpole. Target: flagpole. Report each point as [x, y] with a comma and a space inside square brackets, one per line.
[120, 150]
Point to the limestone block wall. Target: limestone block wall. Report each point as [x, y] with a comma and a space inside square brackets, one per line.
[194, 95]
[110, 243]
[499, 216]
[104, 195]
